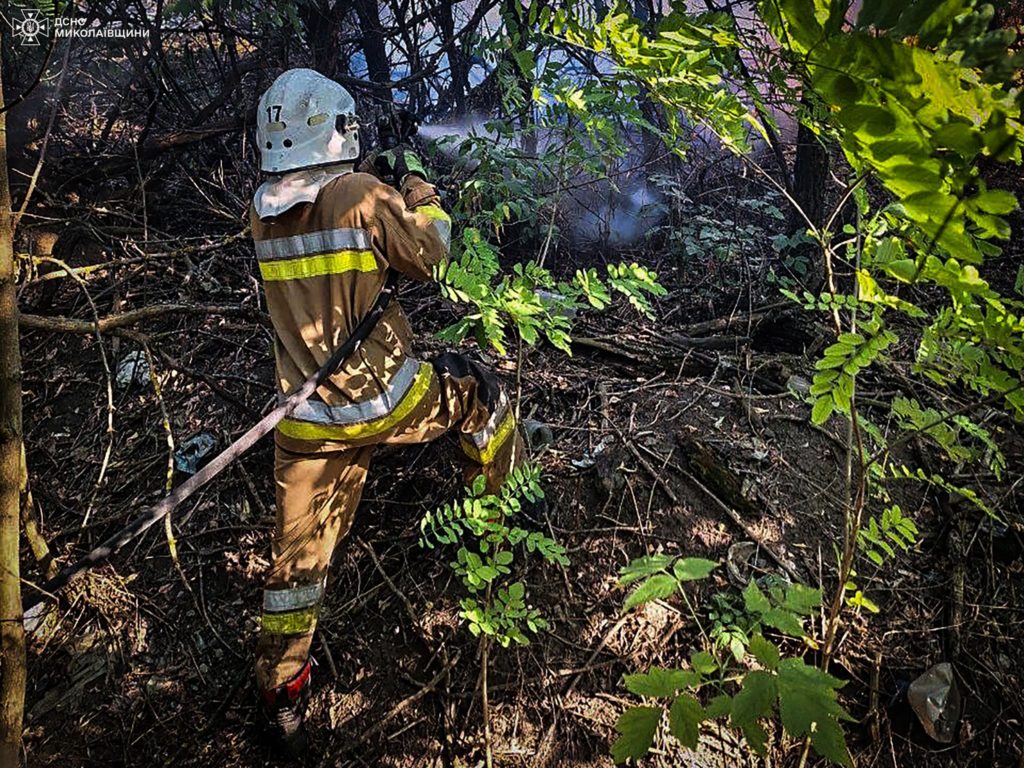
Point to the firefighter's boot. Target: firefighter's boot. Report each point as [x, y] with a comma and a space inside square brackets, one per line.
[284, 708]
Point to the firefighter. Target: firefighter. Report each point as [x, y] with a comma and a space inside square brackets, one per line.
[326, 236]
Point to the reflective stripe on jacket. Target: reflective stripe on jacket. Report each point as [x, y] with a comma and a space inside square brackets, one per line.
[323, 264]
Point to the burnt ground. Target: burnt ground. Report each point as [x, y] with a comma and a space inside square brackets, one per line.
[148, 663]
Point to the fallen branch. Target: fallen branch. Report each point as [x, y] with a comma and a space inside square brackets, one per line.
[62, 324]
[697, 359]
[707, 342]
[721, 479]
[147, 257]
[405, 703]
[545, 751]
[772, 311]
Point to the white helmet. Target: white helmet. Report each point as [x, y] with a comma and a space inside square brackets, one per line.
[304, 120]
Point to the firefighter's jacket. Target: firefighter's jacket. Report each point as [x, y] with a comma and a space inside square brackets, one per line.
[323, 263]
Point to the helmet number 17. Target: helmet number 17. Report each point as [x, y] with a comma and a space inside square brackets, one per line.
[274, 113]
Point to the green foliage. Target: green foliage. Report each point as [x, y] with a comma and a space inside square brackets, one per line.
[768, 603]
[514, 172]
[662, 576]
[680, 65]
[529, 300]
[707, 233]
[781, 606]
[880, 538]
[907, 106]
[742, 690]
[636, 727]
[948, 432]
[915, 95]
[833, 384]
[487, 544]
[557, 127]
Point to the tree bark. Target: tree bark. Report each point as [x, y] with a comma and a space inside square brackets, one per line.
[377, 63]
[458, 86]
[323, 28]
[12, 631]
[810, 174]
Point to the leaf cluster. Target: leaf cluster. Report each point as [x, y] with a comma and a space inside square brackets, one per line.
[803, 697]
[479, 525]
[529, 300]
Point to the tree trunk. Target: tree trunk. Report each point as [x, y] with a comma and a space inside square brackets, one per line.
[810, 175]
[373, 46]
[455, 98]
[810, 172]
[12, 631]
[322, 23]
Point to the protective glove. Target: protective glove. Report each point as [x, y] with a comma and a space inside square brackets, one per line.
[395, 164]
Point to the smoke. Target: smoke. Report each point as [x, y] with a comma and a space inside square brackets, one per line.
[617, 217]
[454, 131]
[592, 210]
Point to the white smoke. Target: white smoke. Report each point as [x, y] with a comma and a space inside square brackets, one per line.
[615, 212]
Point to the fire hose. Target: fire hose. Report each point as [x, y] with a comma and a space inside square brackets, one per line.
[105, 550]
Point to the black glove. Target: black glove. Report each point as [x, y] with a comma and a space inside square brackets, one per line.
[395, 164]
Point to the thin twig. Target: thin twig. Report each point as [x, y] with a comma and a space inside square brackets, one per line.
[405, 703]
[95, 328]
[124, 319]
[34, 179]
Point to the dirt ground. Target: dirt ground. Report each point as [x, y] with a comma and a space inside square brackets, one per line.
[149, 663]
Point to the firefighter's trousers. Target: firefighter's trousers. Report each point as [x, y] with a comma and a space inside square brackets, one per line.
[319, 484]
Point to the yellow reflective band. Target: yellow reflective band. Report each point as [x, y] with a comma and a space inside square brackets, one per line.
[433, 212]
[486, 454]
[304, 430]
[316, 266]
[291, 623]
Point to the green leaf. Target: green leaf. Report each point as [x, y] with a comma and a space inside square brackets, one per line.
[754, 600]
[959, 137]
[822, 409]
[644, 566]
[801, 599]
[785, 621]
[929, 204]
[807, 696]
[765, 652]
[703, 662]
[479, 484]
[656, 587]
[996, 201]
[755, 699]
[828, 741]
[756, 738]
[878, 13]
[719, 706]
[867, 120]
[902, 269]
[860, 600]
[660, 683]
[693, 568]
[684, 718]
[636, 726]
[737, 649]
